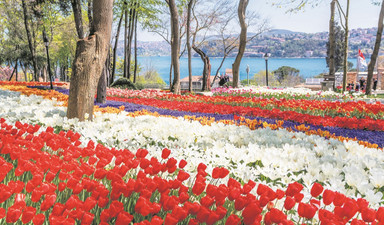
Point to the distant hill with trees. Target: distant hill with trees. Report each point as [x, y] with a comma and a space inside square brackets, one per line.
[278, 42]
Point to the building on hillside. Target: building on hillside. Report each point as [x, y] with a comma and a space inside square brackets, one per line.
[197, 82]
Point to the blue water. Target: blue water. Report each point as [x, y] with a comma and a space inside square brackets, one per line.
[309, 67]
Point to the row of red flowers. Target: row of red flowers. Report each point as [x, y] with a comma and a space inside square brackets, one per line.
[358, 109]
[31, 83]
[48, 177]
[351, 123]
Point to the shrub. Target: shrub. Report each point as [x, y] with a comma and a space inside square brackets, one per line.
[124, 83]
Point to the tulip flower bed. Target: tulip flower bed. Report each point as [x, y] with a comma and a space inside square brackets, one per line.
[367, 138]
[53, 178]
[278, 93]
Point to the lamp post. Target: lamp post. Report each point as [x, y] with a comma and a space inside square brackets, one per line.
[46, 43]
[247, 70]
[266, 56]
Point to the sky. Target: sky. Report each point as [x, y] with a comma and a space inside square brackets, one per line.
[363, 14]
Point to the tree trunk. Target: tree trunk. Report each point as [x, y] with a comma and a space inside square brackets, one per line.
[332, 42]
[125, 74]
[218, 69]
[372, 63]
[243, 42]
[13, 72]
[170, 75]
[175, 45]
[102, 84]
[190, 3]
[132, 14]
[29, 37]
[16, 67]
[115, 48]
[207, 69]
[76, 7]
[345, 65]
[90, 14]
[135, 69]
[91, 53]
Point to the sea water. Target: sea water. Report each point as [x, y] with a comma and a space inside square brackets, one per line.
[309, 67]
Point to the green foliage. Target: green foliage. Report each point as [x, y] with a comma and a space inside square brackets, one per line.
[120, 67]
[339, 49]
[259, 79]
[124, 83]
[150, 79]
[284, 71]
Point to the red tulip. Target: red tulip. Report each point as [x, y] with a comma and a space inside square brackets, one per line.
[250, 213]
[316, 189]
[48, 202]
[165, 153]
[306, 210]
[123, 218]
[339, 199]
[182, 175]
[28, 214]
[368, 215]
[170, 220]
[328, 197]
[294, 188]
[156, 220]
[379, 214]
[2, 213]
[289, 203]
[38, 219]
[182, 164]
[233, 220]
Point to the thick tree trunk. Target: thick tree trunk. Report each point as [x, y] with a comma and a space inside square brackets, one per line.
[243, 42]
[332, 41]
[345, 65]
[372, 63]
[91, 53]
[29, 37]
[102, 84]
[115, 48]
[189, 13]
[207, 69]
[175, 43]
[76, 7]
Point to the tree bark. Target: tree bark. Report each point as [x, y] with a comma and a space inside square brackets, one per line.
[76, 7]
[132, 14]
[243, 41]
[189, 13]
[115, 48]
[29, 37]
[91, 53]
[90, 14]
[102, 84]
[135, 69]
[345, 65]
[175, 46]
[372, 63]
[125, 74]
[332, 41]
[206, 70]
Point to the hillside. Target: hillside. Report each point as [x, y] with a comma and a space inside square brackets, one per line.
[280, 43]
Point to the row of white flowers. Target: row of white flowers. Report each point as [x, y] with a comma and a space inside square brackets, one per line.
[281, 156]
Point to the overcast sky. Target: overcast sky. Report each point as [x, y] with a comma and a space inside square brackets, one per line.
[363, 14]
